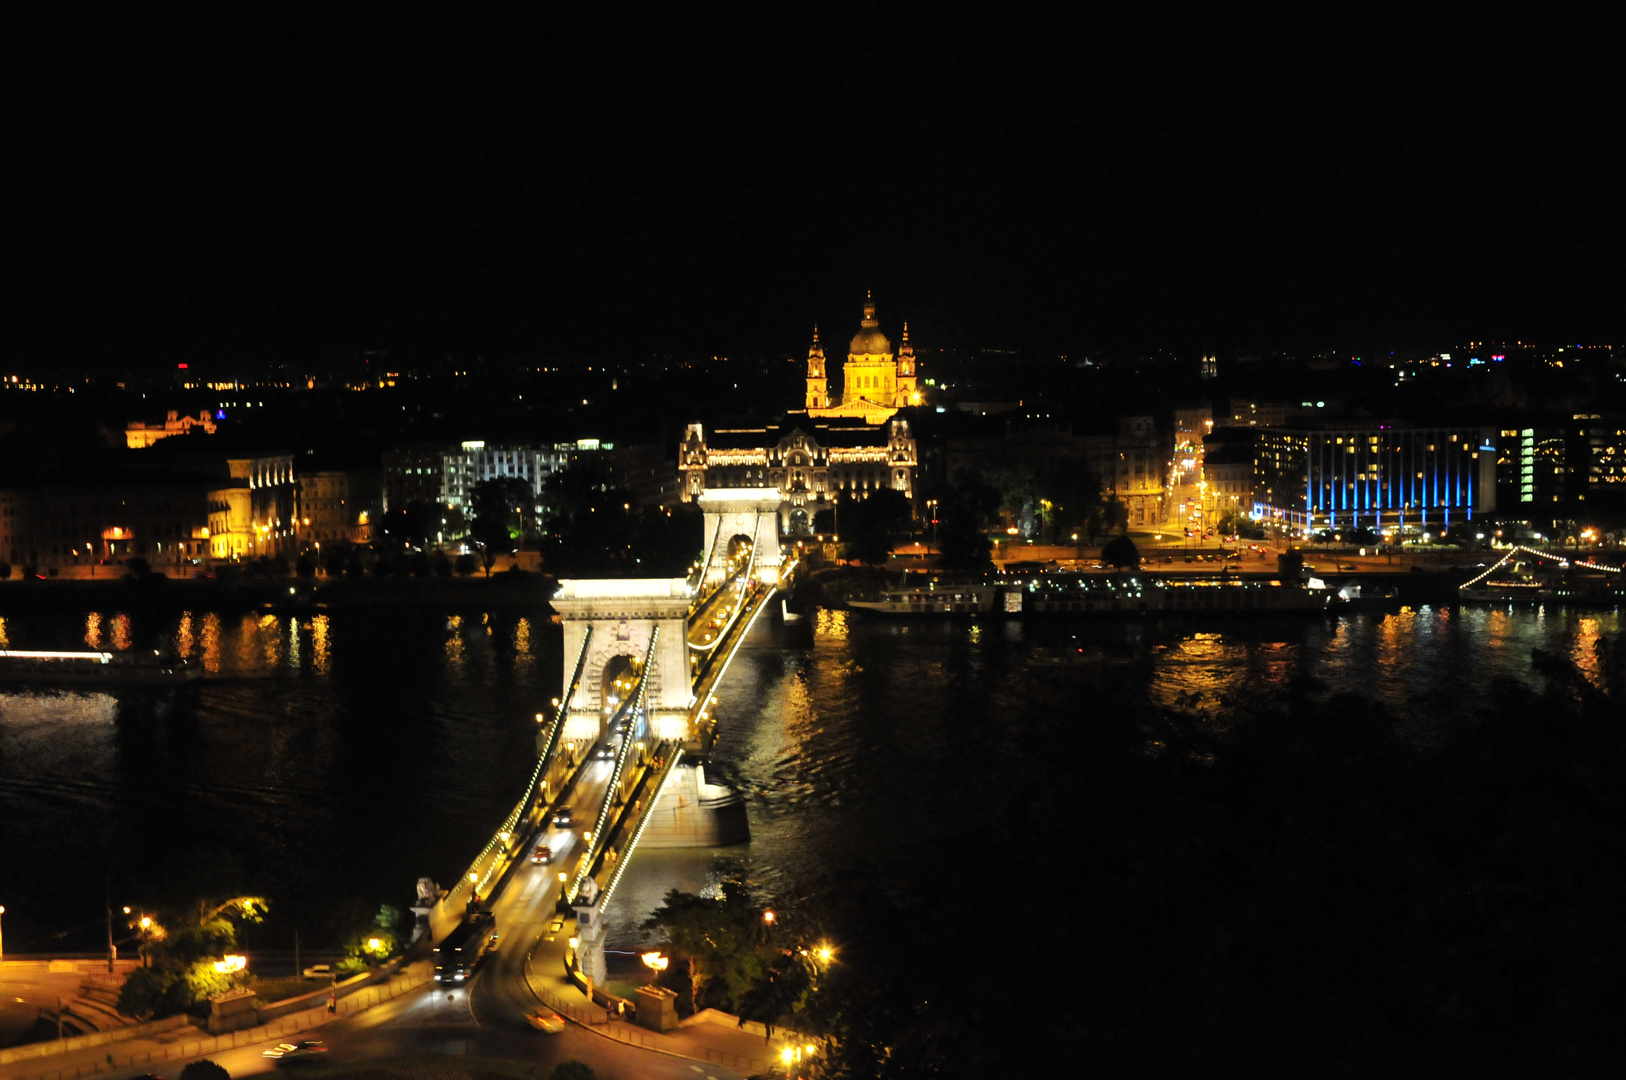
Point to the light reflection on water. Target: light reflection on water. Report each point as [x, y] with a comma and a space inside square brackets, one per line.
[270, 778]
[522, 640]
[271, 638]
[454, 643]
[211, 644]
[321, 649]
[854, 753]
[848, 753]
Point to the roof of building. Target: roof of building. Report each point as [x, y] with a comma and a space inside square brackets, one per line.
[869, 341]
[832, 432]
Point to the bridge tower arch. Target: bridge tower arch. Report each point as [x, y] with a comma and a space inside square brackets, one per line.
[731, 513]
[622, 614]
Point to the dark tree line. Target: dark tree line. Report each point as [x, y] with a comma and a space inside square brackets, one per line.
[592, 526]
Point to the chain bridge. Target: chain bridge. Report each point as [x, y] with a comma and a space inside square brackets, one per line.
[626, 739]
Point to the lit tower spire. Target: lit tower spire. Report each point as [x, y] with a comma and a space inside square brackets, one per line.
[908, 393]
[818, 394]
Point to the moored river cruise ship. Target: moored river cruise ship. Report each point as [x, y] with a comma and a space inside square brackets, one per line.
[1105, 594]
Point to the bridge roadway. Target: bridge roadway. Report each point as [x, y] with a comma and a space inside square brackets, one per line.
[487, 1018]
[720, 603]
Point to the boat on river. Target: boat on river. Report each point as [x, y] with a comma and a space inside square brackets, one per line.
[1115, 594]
[1099, 594]
[930, 598]
[67, 667]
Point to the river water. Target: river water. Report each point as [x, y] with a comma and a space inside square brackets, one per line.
[339, 756]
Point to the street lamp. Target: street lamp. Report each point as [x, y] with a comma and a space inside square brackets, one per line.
[656, 963]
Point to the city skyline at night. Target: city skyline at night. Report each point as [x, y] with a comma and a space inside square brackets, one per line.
[579, 542]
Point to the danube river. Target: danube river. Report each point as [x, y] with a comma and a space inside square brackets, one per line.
[335, 758]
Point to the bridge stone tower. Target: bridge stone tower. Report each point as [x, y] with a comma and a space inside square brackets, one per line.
[622, 614]
[752, 513]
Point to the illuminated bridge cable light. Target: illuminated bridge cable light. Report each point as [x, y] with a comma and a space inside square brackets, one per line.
[644, 819]
[575, 674]
[551, 743]
[723, 632]
[703, 701]
[596, 844]
[705, 565]
[542, 762]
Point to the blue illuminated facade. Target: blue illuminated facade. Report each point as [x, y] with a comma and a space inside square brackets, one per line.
[1377, 474]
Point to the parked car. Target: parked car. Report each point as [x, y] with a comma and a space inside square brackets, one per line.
[545, 1019]
[319, 971]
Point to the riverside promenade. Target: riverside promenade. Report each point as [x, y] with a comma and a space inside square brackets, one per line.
[153, 1047]
[710, 1036]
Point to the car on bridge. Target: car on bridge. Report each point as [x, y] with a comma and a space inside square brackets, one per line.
[563, 818]
[543, 855]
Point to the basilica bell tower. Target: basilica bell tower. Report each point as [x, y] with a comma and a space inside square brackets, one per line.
[908, 391]
[818, 393]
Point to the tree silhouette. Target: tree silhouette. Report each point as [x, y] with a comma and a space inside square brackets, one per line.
[498, 524]
[1121, 552]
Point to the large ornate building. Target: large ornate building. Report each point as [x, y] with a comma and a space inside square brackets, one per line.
[824, 452]
[874, 384]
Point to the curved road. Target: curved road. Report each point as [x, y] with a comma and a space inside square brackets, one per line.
[486, 1018]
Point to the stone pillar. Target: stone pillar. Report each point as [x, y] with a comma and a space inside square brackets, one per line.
[693, 813]
[590, 942]
[752, 512]
[657, 1008]
[232, 1011]
[622, 613]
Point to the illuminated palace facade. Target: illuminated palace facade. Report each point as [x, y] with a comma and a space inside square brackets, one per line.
[828, 450]
[1373, 474]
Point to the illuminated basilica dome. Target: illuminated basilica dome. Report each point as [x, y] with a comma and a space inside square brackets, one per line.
[874, 383]
[869, 341]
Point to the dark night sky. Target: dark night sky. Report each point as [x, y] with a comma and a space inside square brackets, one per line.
[200, 184]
